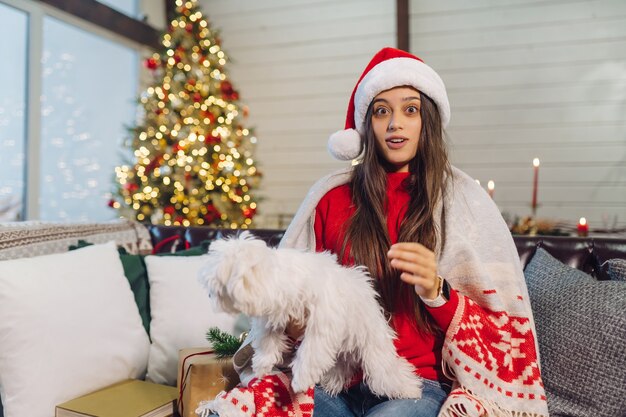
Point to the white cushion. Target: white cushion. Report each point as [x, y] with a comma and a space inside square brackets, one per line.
[69, 325]
[181, 313]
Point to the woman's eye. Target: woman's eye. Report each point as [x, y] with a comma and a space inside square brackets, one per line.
[381, 111]
[413, 109]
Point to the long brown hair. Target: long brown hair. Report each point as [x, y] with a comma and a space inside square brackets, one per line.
[367, 228]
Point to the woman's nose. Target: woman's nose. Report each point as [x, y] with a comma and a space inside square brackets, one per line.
[394, 123]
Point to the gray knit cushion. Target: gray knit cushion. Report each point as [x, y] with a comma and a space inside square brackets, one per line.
[581, 329]
[616, 269]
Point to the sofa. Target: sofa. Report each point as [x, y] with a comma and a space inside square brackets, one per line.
[577, 288]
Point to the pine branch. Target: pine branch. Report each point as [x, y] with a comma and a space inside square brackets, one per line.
[224, 344]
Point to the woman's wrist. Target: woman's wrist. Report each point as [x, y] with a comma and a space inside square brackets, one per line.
[437, 297]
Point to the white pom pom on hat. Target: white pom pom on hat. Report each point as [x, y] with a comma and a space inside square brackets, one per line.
[389, 68]
[345, 145]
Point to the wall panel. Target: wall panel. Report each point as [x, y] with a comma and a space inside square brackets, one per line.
[542, 78]
[295, 65]
[530, 79]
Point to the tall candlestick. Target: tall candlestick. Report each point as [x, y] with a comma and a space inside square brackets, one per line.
[535, 185]
[491, 186]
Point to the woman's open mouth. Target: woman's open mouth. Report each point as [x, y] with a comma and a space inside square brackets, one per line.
[396, 143]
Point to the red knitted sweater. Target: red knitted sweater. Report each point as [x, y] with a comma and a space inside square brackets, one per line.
[331, 216]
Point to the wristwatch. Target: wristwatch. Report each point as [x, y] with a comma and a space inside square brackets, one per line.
[443, 294]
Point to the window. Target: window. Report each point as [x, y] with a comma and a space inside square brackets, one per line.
[12, 112]
[68, 95]
[88, 92]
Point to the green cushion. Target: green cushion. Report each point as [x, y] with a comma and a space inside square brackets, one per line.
[137, 274]
[201, 249]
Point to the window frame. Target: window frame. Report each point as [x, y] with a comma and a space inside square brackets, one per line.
[98, 25]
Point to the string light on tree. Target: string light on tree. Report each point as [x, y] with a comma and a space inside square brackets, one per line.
[192, 157]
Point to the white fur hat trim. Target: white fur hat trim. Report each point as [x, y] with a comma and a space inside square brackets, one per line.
[397, 72]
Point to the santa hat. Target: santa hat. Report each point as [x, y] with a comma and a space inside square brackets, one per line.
[389, 68]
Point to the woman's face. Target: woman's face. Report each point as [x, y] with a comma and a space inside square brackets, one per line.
[397, 124]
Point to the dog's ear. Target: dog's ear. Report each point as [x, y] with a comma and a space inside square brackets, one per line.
[212, 274]
[247, 283]
[256, 250]
[218, 245]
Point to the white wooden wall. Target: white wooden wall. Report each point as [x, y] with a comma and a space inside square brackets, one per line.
[295, 64]
[526, 79]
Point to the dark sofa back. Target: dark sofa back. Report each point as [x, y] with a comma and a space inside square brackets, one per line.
[176, 238]
[586, 254]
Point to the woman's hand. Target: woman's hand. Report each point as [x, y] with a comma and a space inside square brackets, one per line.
[418, 265]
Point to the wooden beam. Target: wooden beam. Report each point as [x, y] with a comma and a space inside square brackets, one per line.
[110, 19]
[402, 25]
[170, 10]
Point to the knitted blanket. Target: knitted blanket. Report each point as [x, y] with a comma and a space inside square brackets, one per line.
[490, 349]
[270, 396]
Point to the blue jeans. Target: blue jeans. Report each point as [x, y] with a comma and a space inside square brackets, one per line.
[359, 401]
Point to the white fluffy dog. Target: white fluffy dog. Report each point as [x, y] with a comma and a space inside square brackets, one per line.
[345, 325]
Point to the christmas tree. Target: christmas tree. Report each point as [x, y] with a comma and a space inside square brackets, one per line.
[192, 161]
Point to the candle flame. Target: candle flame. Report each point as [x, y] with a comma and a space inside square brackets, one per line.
[582, 221]
[536, 162]
[491, 185]
[478, 182]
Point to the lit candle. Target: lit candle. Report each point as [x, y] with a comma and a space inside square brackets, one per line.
[491, 186]
[477, 182]
[583, 227]
[535, 185]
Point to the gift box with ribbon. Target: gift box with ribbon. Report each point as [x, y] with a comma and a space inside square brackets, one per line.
[201, 376]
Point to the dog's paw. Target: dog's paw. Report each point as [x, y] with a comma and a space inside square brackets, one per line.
[412, 390]
[335, 380]
[400, 388]
[333, 387]
[300, 384]
[262, 365]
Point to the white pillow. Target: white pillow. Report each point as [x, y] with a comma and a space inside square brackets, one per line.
[181, 313]
[69, 325]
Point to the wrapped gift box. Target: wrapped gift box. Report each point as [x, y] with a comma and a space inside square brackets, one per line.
[201, 376]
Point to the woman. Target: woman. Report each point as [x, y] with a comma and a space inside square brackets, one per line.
[414, 220]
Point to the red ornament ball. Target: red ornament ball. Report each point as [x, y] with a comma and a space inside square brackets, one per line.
[151, 63]
[249, 213]
[212, 213]
[131, 187]
[228, 92]
[213, 139]
[208, 115]
[169, 210]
